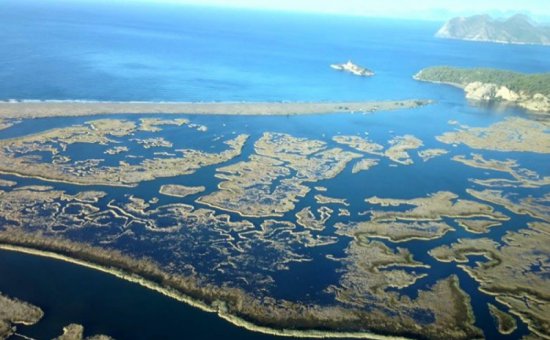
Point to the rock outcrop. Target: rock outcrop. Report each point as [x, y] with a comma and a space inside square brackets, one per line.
[492, 92]
[530, 91]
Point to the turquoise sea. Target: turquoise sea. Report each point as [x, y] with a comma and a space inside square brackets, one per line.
[61, 50]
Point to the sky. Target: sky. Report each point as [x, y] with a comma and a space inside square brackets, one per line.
[414, 9]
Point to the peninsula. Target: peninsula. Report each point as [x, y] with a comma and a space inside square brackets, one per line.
[38, 109]
[518, 29]
[529, 91]
[353, 69]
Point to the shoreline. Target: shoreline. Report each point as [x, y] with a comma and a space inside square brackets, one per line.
[528, 103]
[180, 297]
[52, 108]
[417, 78]
[493, 41]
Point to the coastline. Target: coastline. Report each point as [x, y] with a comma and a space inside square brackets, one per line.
[42, 109]
[525, 104]
[178, 296]
[457, 85]
[494, 41]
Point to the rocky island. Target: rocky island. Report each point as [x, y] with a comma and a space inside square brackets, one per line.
[518, 29]
[529, 91]
[353, 69]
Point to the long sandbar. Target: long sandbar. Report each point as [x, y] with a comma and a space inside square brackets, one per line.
[176, 295]
[38, 109]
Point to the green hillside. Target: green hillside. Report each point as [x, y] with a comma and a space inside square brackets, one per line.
[518, 82]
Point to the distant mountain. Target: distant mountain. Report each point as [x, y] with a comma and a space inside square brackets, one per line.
[518, 29]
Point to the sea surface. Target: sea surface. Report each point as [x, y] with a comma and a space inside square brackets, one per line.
[60, 50]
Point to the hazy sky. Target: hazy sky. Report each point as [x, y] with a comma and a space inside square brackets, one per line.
[424, 9]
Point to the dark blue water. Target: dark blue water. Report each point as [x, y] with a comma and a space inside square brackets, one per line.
[105, 305]
[67, 51]
[63, 50]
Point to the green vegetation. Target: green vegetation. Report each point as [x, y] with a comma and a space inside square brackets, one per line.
[517, 82]
[505, 322]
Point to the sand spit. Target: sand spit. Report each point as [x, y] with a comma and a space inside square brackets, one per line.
[233, 319]
[38, 109]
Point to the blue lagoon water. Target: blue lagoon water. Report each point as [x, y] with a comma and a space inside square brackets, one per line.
[78, 51]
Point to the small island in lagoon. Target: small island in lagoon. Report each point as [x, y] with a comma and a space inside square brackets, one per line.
[14, 312]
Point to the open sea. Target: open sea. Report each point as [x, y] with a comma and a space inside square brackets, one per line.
[64, 50]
